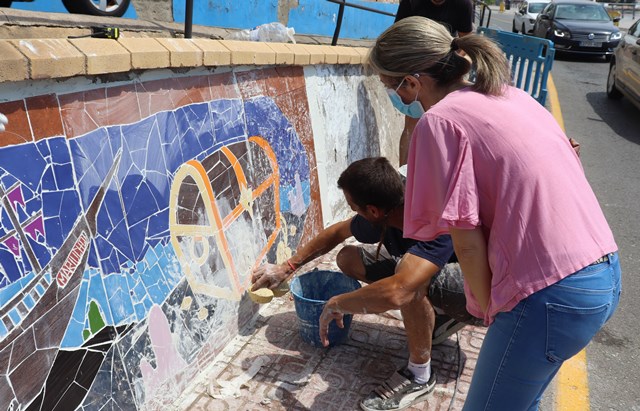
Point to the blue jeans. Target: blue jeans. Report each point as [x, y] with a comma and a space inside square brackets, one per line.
[525, 347]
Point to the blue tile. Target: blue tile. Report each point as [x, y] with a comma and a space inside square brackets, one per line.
[40, 289]
[53, 228]
[48, 180]
[119, 238]
[59, 150]
[115, 139]
[43, 148]
[9, 291]
[42, 253]
[139, 203]
[15, 317]
[64, 176]
[14, 158]
[265, 119]
[93, 260]
[228, 120]
[97, 293]
[141, 312]
[119, 298]
[73, 336]
[70, 210]
[9, 265]
[159, 225]
[89, 162]
[3, 330]
[138, 235]
[28, 301]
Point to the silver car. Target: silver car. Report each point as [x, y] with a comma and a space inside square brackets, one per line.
[624, 71]
[526, 15]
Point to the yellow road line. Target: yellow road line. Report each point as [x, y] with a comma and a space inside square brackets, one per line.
[572, 384]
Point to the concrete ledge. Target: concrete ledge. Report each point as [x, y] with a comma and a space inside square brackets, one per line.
[146, 53]
[51, 58]
[182, 52]
[58, 58]
[103, 56]
[13, 64]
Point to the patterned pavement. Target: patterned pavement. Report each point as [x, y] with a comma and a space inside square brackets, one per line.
[269, 367]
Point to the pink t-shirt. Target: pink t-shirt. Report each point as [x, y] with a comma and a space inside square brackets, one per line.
[503, 163]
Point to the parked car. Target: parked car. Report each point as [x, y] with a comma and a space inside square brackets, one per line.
[624, 70]
[578, 26]
[526, 15]
[114, 8]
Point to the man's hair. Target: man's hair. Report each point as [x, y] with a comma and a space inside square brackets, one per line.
[373, 181]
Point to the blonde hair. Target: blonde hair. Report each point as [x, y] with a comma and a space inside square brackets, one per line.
[417, 45]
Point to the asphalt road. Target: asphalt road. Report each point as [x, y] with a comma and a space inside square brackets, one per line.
[609, 134]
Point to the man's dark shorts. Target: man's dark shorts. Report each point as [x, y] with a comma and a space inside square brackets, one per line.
[446, 290]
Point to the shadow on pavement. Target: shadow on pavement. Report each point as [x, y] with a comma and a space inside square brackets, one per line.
[621, 115]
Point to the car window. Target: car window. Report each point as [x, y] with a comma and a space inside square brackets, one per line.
[549, 10]
[592, 12]
[536, 7]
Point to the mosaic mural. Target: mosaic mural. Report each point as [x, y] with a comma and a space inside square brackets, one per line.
[131, 217]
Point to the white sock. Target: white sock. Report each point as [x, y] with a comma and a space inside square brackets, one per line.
[422, 372]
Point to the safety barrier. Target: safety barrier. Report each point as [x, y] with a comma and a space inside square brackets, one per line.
[530, 58]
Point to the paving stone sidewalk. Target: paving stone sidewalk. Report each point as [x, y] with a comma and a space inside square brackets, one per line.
[269, 367]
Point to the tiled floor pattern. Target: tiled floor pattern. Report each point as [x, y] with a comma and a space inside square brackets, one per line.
[292, 375]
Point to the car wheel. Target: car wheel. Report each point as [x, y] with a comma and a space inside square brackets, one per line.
[5, 3]
[112, 8]
[513, 26]
[612, 90]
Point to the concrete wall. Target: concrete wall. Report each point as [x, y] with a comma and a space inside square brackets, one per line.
[139, 185]
[314, 17]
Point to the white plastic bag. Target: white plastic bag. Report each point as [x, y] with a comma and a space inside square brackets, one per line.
[271, 32]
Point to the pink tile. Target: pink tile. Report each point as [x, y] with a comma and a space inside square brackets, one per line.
[197, 88]
[153, 97]
[83, 112]
[44, 116]
[18, 130]
[223, 85]
[122, 105]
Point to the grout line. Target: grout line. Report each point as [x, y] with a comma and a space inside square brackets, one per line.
[572, 381]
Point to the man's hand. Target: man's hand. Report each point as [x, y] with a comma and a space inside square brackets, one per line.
[269, 276]
[330, 312]
[3, 122]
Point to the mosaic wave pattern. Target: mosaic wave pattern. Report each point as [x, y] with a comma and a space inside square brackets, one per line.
[131, 217]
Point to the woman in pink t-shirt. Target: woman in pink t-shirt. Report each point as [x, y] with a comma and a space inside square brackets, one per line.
[490, 166]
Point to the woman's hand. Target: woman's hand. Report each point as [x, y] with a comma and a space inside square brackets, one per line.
[269, 276]
[575, 145]
[330, 312]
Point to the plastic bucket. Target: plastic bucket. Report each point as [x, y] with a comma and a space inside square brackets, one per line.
[310, 293]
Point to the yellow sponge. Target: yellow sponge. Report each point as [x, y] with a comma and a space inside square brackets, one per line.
[264, 295]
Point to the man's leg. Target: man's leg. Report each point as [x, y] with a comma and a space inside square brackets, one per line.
[446, 293]
[359, 262]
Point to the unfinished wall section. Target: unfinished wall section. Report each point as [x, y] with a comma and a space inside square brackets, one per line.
[140, 182]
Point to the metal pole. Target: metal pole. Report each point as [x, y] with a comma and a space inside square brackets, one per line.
[188, 19]
[338, 24]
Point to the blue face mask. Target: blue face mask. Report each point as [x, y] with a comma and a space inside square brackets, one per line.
[413, 109]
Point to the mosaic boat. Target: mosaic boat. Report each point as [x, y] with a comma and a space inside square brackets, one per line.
[36, 318]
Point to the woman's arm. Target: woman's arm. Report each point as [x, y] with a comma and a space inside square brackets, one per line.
[471, 248]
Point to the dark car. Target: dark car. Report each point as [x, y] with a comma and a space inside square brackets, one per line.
[624, 71]
[113, 8]
[578, 26]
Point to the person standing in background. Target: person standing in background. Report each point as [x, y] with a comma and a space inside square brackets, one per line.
[457, 17]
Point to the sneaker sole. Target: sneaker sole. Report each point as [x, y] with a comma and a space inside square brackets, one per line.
[417, 399]
[445, 335]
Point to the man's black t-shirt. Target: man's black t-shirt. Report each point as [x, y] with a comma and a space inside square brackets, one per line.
[438, 251]
[456, 15]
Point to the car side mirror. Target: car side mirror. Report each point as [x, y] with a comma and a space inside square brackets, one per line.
[638, 42]
[616, 19]
[544, 17]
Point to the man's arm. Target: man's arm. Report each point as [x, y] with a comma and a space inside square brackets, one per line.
[271, 275]
[409, 282]
[471, 249]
